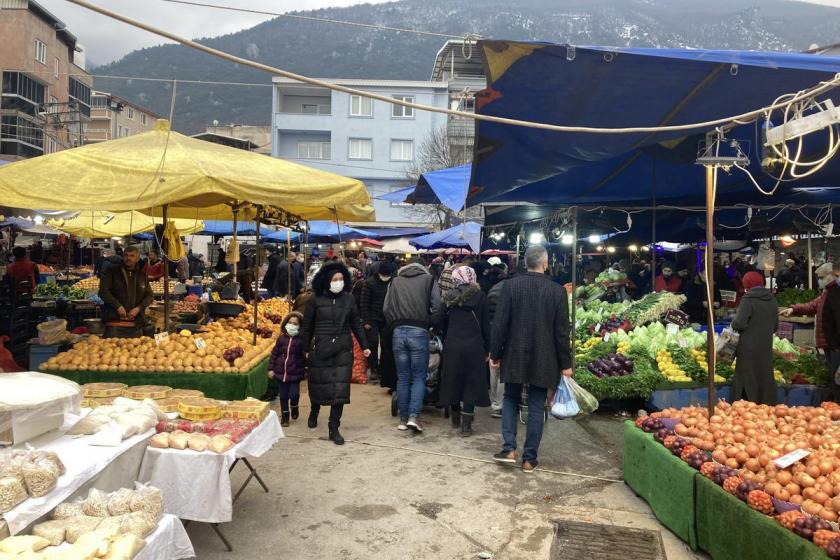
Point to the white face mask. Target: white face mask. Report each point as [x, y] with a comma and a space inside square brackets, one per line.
[384, 278]
[292, 330]
[337, 287]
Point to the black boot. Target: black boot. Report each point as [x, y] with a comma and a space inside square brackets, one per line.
[335, 435]
[313, 420]
[295, 412]
[284, 419]
[455, 415]
[466, 424]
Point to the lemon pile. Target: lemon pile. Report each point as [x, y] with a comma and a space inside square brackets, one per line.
[778, 377]
[701, 358]
[623, 347]
[668, 368]
[589, 343]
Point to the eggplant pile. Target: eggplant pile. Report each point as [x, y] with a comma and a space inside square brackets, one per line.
[614, 365]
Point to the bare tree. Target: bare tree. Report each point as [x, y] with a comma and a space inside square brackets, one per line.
[435, 152]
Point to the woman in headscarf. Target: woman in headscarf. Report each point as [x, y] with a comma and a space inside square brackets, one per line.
[756, 321]
[465, 322]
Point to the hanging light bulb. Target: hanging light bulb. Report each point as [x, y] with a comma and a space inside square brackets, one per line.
[610, 250]
[599, 248]
[567, 239]
[536, 238]
[633, 248]
[594, 238]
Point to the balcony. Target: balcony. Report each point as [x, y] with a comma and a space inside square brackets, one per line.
[92, 136]
[460, 131]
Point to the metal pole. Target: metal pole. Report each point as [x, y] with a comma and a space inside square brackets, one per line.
[711, 171]
[164, 216]
[258, 217]
[518, 237]
[235, 258]
[338, 228]
[810, 265]
[289, 262]
[573, 320]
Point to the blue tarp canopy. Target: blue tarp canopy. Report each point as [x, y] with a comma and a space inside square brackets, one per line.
[467, 235]
[628, 87]
[397, 196]
[323, 231]
[447, 186]
[385, 233]
[225, 227]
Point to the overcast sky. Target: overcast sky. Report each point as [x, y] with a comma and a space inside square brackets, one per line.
[106, 40]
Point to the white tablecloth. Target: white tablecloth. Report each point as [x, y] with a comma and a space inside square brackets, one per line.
[82, 461]
[196, 485]
[168, 542]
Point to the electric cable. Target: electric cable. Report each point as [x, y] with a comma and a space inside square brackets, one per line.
[818, 89]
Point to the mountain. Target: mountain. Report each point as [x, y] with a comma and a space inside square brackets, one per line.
[341, 51]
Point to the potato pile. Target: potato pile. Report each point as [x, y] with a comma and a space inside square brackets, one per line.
[178, 354]
[88, 284]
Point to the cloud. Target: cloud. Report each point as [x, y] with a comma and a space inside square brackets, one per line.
[106, 40]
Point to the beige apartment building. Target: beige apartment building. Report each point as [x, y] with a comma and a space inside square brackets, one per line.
[45, 96]
[114, 117]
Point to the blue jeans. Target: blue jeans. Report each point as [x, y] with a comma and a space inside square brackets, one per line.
[536, 418]
[411, 353]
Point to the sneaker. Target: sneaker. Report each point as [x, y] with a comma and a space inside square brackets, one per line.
[414, 423]
[402, 426]
[505, 457]
[495, 413]
[529, 466]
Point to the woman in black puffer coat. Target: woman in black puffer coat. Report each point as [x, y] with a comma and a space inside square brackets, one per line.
[330, 317]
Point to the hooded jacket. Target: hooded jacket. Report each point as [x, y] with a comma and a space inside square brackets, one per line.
[756, 321]
[411, 301]
[372, 300]
[288, 359]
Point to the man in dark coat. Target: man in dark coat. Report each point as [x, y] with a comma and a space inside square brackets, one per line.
[125, 290]
[497, 388]
[371, 305]
[530, 343]
[281, 280]
[756, 321]
[274, 259]
[298, 274]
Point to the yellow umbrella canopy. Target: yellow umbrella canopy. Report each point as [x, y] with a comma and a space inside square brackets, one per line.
[198, 179]
[120, 224]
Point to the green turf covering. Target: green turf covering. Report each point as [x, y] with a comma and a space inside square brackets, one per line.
[224, 386]
[729, 530]
[662, 480]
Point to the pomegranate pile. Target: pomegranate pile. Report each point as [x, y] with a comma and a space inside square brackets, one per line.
[737, 448]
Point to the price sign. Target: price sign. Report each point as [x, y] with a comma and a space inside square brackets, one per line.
[794, 456]
[672, 328]
[598, 328]
[676, 317]
[199, 343]
[216, 296]
[161, 337]
[607, 337]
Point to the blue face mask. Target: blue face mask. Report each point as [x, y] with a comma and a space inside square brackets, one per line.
[838, 281]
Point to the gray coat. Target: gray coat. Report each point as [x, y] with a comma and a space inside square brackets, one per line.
[756, 321]
[531, 331]
[410, 300]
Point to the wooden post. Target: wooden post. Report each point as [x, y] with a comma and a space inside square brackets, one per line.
[256, 302]
[235, 258]
[711, 171]
[573, 318]
[164, 216]
[289, 261]
[810, 265]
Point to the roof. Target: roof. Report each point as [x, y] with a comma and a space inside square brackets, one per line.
[365, 83]
[125, 101]
[232, 141]
[60, 27]
[472, 66]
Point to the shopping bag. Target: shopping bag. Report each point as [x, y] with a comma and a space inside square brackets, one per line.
[726, 345]
[564, 405]
[585, 400]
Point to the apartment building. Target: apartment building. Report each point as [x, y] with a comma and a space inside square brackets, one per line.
[245, 136]
[461, 66]
[370, 140]
[45, 95]
[114, 117]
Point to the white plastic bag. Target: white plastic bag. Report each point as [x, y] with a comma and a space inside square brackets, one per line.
[564, 405]
[585, 400]
[726, 345]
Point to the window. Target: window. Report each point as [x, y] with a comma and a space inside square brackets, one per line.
[53, 106]
[99, 102]
[52, 145]
[119, 131]
[361, 106]
[400, 112]
[80, 92]
[22, 93]
[361, 148]
[40, 51]
[313, 150]
[142, 118]
[402, 150]
[57, 67]
[131, 113]
[20, 137]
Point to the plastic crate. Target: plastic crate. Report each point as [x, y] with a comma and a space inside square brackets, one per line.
[40, 353]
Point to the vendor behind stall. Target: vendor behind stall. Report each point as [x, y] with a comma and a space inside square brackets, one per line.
[154, 268]
[125, 290]
[23, 269]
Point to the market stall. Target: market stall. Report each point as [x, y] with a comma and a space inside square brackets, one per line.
[776, 485]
